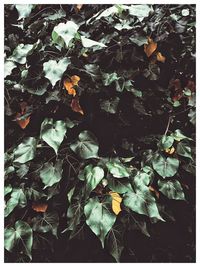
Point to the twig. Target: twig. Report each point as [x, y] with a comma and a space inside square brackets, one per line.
[168, 124]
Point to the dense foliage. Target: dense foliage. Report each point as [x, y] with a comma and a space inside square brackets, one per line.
[99, 133]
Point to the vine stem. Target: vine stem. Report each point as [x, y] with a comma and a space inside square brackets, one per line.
[168, 124]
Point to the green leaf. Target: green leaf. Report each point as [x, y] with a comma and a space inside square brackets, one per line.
[74, 213]
[53, 132]
[99, 218]
[140, 11]
[7, 189]
[21, 52]
[120, 186]
[8, 67]
[51, 174]
[108, 78]
[138, 39]
[86, 146]
[165, 167]
[192, 116]
[110, 106]
[152, 73]
[92, 176]
[47, 222]
[33, 194]
[142, 202]
[23, 234]
[184, 150]
[115, 241]
[117, 169]
[178, 135]
[171, 189]
[22, 170]
[24, 10]
[54, 70]
[26, 150]
[17, 199]
[63, 33]
[166, 142]
[90, 43]
[141, 181]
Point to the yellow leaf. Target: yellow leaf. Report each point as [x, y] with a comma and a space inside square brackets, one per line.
[160, 57]
[150, 47]
[170, 150]
[116, 200]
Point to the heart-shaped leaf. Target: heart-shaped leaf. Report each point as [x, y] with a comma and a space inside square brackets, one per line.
[26, 150]
[165, 167]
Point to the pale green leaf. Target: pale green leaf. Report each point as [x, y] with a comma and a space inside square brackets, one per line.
[184, 150]
[8, 67]
[165, 167]
[26, 150]
[54, 70]
[24, 10]
[51, 174]
[53, 132]
[171, 189]
[86, 146]
[117, 169]
[90, 43]
[17, 199]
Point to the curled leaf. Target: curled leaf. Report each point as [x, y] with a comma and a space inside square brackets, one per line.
[39, 207]
[76, 106]
[116, 201]
[69, 83]
[150, 47]
[160, 57]
[22, 120]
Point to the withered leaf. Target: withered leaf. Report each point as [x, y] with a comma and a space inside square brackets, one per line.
[150, 47]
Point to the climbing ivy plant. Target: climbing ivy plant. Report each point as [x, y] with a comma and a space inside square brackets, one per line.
[100, 123]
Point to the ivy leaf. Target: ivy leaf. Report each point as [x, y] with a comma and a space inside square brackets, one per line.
[92, 176]
[17, 199]
[26, 150]
[99, 218]
[117, 169]
[47, 222]
[53, 132]
[51, 174]
[138, 39]
[86, 146]
[90, 43]
[152, 73]
[150, 47]
[178, 135]
[74, 214]
[22, 170]
[192, 116]
[140, 11]
[171, 189]
[54, 70]
[166, 142]
[8, 67]
[142, 180]
[21, 52]
[165, 167]
[24, 10]
[63, 33]
[116, 202]
[7, 189]
[115, 240]
[142, 202]
[21, 233]
[110, 106]
[119, 185]
[108, 78]
[184, 150]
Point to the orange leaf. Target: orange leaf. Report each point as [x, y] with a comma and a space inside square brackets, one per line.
[152, 189]
[150, 47]
[160, 57]
[69, 87]
[39, 207]
[76, 106]
[75, 79]
[170, 150]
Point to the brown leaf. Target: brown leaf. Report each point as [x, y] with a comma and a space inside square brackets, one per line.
[76, 106]
[160, 57]
[39, 207]
[150, 47]
[22, 122]
[152, 189]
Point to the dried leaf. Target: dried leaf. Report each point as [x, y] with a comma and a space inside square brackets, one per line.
[39, 207]
[69, 83]
[116, 200]
[160, 57]
[22, 122]
[79, 6]
[75, 79]
[152, 189]
[150, 47]
[76, 106]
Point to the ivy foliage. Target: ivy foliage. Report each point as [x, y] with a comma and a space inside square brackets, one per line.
[100, 123]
